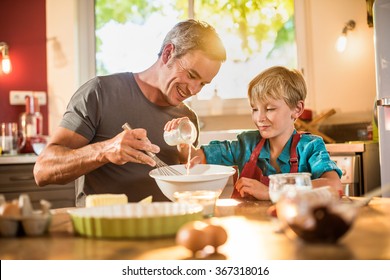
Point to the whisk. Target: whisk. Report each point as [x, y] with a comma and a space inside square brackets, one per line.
[162, 167]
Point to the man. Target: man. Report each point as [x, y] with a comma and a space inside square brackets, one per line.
[90, 140]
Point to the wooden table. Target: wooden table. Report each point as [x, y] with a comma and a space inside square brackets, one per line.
[251, 235]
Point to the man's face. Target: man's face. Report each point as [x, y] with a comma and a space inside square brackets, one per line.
[185, 76]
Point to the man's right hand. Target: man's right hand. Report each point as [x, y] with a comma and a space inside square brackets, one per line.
[129, 146]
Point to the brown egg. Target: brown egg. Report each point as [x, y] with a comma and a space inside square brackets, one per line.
[216, 233]
[10, 209]
[192, 236]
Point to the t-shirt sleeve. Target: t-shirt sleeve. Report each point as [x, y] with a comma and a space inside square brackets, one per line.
[82, 114]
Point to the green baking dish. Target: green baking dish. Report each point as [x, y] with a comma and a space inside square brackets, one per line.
[134, 220]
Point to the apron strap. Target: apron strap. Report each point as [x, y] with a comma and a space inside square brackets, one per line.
[293, 153]
[250, 169]
[256, 152]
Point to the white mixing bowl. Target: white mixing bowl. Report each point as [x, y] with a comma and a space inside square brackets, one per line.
[209, 177]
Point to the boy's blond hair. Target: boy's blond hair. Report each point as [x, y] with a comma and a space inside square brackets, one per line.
[278, 82]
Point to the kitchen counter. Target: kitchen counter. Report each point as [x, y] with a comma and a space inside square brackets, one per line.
[251, 235]
[351, 147]
[18, 159]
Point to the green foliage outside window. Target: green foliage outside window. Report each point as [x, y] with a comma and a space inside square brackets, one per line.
[251, 21]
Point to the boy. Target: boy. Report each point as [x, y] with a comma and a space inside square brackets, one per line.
[277, 98]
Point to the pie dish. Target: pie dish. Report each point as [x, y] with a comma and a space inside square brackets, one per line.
[134, 220]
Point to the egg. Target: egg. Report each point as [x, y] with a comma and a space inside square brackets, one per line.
[10, 209]
[217, 235]
[196, 235]
[192, 236]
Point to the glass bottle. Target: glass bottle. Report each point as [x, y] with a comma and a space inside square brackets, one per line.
[31, 125]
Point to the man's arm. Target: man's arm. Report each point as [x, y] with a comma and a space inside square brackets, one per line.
[69, 156]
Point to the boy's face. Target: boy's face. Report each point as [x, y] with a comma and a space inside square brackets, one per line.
[275, 118]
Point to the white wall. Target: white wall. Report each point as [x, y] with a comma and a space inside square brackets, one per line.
[68, 22]
[60, 18]
[345, 82]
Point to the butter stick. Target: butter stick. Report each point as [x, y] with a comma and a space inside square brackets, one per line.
[105, 199]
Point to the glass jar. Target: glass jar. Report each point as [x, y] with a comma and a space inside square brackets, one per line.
[280, 183]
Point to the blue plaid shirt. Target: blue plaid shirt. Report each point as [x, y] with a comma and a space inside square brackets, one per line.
[312, 154]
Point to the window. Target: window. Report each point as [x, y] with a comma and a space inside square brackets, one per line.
[257, 34]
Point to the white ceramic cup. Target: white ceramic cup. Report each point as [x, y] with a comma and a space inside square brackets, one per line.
[185, 133]
[9, 138]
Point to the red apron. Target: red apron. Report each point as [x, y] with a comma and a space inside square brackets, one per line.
[251, 170]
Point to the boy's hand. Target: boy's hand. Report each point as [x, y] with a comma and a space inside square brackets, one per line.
[251, 187]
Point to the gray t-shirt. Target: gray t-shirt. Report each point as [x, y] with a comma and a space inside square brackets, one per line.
[98, 110]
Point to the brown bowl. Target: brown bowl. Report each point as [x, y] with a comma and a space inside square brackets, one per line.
[315, 216]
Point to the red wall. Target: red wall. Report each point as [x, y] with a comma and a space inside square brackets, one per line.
[23, 28]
